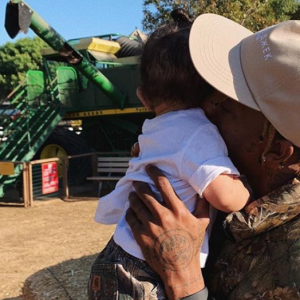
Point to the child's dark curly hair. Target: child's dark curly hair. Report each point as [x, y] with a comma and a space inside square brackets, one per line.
[167, 72]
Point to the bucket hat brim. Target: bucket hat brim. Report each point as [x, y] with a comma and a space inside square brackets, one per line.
[215, 44]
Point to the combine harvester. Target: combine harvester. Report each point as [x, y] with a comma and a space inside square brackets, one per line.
[91, 81]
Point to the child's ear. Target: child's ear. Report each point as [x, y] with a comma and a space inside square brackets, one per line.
[139, 93]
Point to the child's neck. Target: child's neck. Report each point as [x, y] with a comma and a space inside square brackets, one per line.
[165, 108]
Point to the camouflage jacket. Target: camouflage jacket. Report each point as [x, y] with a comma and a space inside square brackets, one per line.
[264, 261]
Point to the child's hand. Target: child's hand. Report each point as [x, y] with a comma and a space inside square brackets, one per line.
[135, 150]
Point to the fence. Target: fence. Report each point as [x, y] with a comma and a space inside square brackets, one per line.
[63, 177]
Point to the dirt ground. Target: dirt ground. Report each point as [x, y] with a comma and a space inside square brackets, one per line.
[50, 233]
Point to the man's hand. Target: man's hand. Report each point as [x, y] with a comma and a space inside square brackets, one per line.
[169, 235]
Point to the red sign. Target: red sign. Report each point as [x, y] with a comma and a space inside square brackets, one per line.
[49, 178]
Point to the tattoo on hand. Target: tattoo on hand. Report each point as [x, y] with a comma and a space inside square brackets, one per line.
[175, 249]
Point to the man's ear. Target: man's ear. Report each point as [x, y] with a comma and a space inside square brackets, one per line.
[280, 151]
[140, 94]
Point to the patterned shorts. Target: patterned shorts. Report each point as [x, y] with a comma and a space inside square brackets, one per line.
[117, 275]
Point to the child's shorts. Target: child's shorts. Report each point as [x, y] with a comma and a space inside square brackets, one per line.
[117, 275]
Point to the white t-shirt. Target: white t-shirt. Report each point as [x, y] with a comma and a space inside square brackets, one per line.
[188, 148]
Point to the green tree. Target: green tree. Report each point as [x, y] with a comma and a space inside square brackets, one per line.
[253, 14]
[16, 59]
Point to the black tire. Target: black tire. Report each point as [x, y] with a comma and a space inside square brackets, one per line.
[128, 47]
[72, 144]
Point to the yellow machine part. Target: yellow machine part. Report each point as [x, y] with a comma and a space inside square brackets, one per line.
[53, 150]
[100, 45]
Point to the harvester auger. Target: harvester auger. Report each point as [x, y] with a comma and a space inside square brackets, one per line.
[20, 17]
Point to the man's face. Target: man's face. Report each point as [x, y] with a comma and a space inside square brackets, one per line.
[240, 127]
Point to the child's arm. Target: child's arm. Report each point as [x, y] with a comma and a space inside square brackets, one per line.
[227, 193]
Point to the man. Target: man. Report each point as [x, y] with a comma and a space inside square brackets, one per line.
[257, 112]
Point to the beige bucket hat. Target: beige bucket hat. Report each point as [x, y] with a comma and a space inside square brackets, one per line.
[260, 70]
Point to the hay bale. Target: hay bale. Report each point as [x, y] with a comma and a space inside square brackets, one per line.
[65, 281]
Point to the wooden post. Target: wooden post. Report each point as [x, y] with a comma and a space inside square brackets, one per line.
[65, 177]
[30, 183]
[94, 159]
[25, 185]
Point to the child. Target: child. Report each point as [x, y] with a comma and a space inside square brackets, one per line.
[180, 141]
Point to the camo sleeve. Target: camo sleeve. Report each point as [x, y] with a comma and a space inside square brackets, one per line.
[262, 264]
[265, 213]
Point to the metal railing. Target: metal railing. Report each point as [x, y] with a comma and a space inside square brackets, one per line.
[33, 176]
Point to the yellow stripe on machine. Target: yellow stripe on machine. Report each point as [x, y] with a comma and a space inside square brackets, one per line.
[105, 112]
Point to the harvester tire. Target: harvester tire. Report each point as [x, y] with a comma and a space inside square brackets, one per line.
[129, 47]
[65, 142]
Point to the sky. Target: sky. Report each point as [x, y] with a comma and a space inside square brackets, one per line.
[82, 18]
